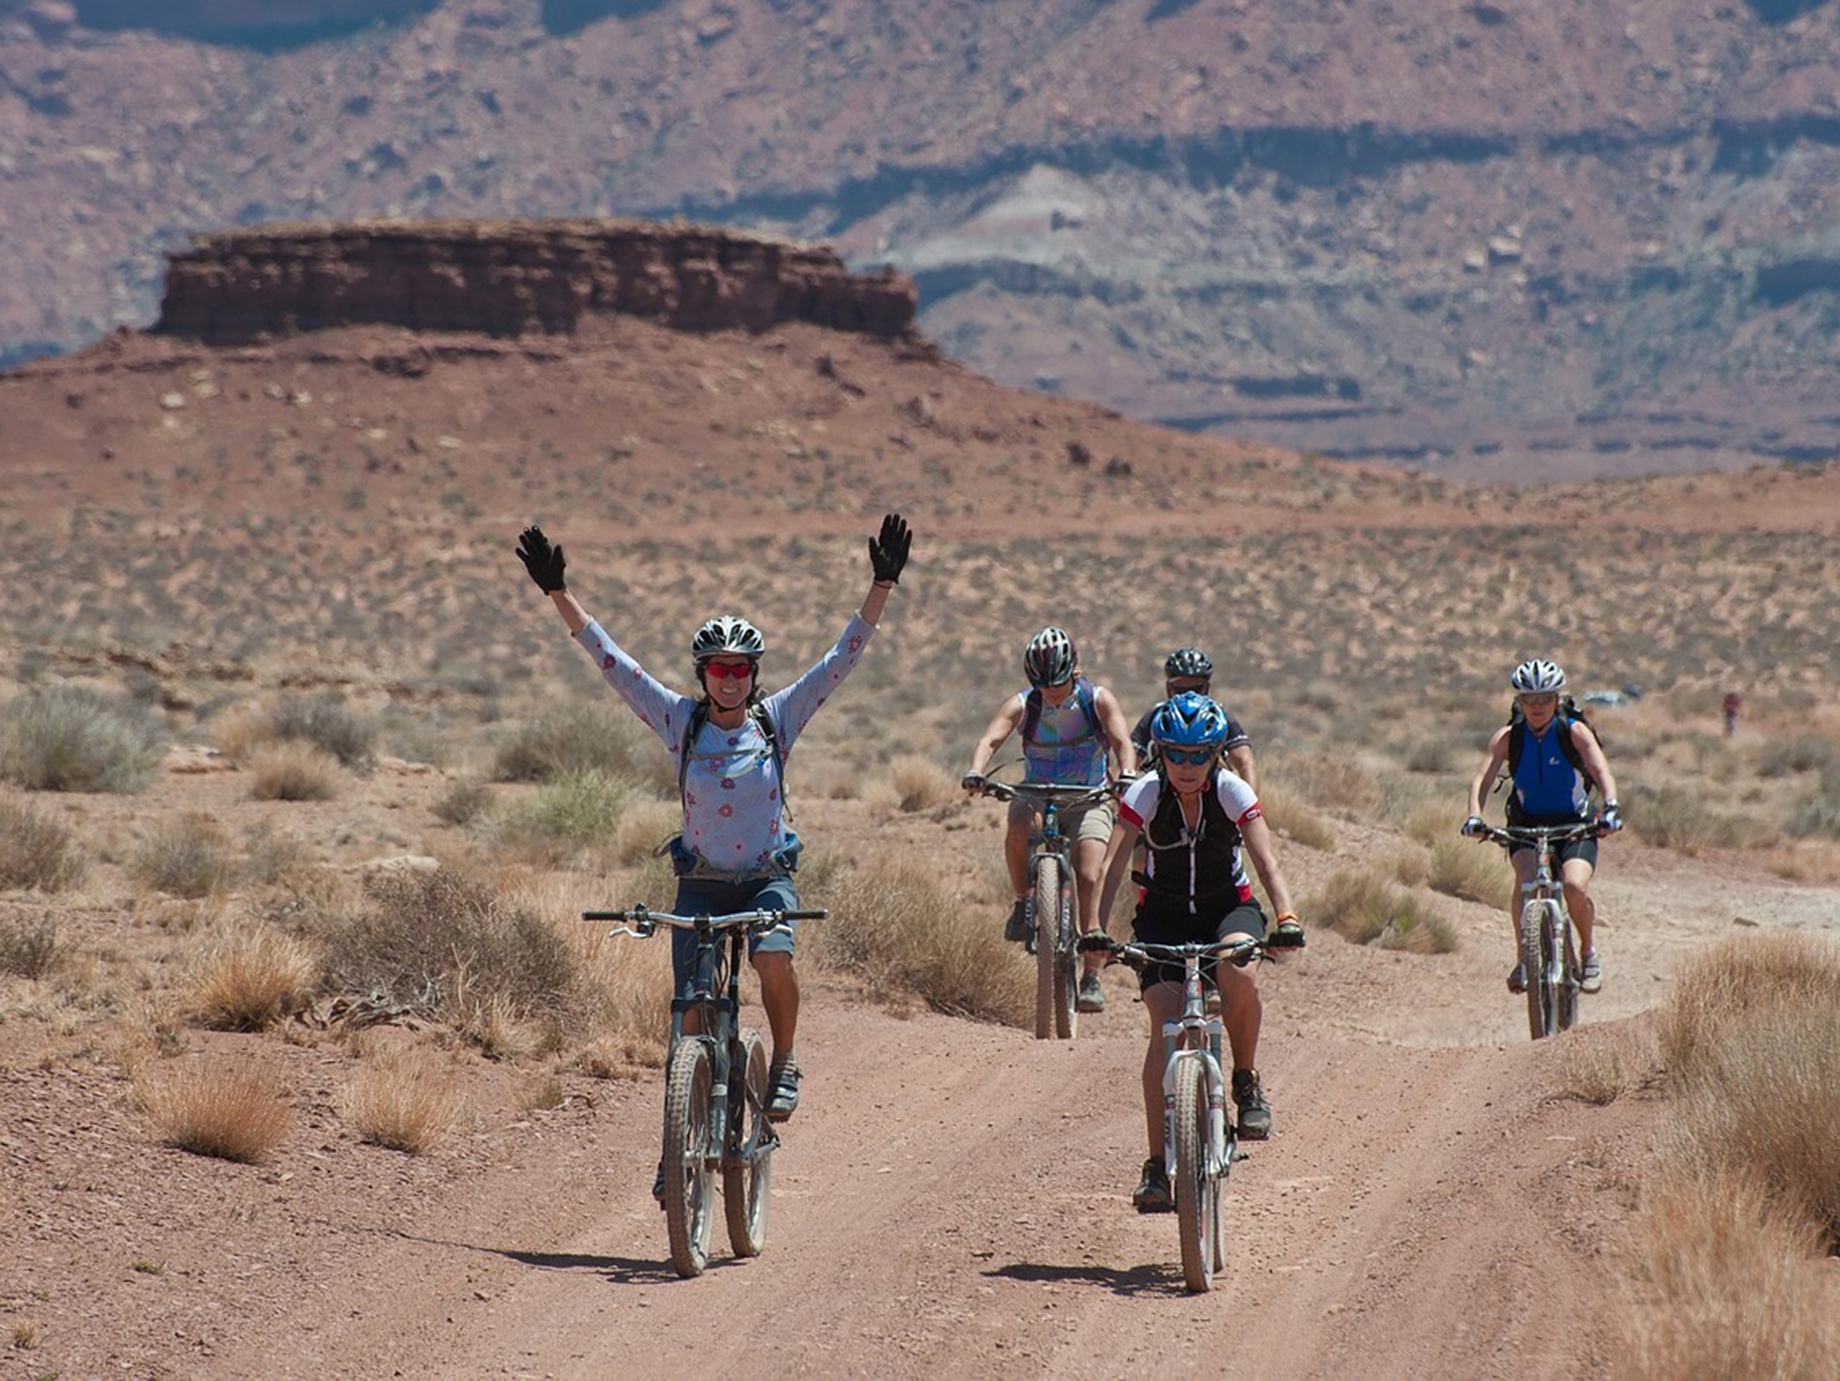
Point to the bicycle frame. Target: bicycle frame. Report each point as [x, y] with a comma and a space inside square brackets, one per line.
[1547, 955]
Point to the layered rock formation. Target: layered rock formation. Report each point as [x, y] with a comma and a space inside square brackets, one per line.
[510, 278]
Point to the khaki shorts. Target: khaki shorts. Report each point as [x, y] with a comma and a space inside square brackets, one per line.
[1088, 822]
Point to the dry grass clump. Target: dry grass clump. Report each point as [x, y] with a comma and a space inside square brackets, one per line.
[28, 949]
[1729, 1285]
[596, 735]
[1599, 1064]
[36, 851]
[1461, 869]
[186, 857]
[916, 783]
[447, 944]
[1803, 753]
[1818, 814]
[326, 723]
[1286, 813]
[250, 977]
[66, 738]
[1363, 906]
[894, 923]
[575, 811]
[293, 771]
[1736, 982]
[231, 1112]
[463, 803]
[643, 827]
[402, 1104]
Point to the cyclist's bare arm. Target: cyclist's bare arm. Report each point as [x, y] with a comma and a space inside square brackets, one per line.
[570, 609]
[1240, 761]
[1256, 835]
[995, 732]
[1591, 754]
[1490, 770]
[874, 603]
[1117, 729]
[1117, 864]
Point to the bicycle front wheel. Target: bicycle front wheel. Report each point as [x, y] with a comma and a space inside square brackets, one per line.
[688, 1183]
[1195, 1206]
[1569, 973]
[1048, 923]
[1067, 967]
[747, 1170]
[1541, 1009]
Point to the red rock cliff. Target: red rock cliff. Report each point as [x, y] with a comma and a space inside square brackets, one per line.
[514, 278]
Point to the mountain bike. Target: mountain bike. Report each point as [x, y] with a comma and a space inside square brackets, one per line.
[1198, 1136]
[1052, 927]
[715, 1102]
[1548, 953]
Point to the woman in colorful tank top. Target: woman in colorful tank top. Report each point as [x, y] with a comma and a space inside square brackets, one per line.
[1071, 729]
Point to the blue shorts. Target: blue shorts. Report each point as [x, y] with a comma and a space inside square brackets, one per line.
[709, 897]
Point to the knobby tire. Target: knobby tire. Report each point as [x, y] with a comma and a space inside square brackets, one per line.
[1540, 1011]
[747, 1174]
[688, 1183]
[1048, 922]
[1067, 966]
[1195, 1208]
[1570, 976]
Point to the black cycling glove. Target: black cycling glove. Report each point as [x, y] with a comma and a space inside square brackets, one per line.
[888, 552]
[542, 558]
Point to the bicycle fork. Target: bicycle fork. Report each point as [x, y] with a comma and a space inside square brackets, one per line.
[1216, 1098]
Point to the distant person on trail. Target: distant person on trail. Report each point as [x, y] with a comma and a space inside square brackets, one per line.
[1191, 669]
[1070, 729]
[1553, 760]
[1731, 705]
[735, 852]
[1195, 815]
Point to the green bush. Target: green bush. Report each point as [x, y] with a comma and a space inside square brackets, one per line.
[1363, 906]
[595, 735]
[575, 810]
[67, 738]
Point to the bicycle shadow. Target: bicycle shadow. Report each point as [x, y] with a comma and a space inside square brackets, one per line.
[1130, 1282]
[617, 1270]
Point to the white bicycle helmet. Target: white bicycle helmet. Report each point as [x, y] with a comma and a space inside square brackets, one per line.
[1538, 677]
[1050, 658]
[727, 634]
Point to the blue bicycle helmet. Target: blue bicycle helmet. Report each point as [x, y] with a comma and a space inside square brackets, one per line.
[1189, 720]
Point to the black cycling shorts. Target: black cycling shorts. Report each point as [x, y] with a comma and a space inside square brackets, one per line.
[1585, 848]
[1158, 925]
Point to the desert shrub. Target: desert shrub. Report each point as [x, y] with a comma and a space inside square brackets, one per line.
[250, 977]
[1329, 780]
[894, 924]
[1671, 818]
[402, 1105]
[1722, 986]
[1287, 814]
[1363, 906]
[1727, 1285]
[67, 738]
[447, 944]
[1459, 868]
[293, 771]
[918, 783]
[573, 811]
[185, 857]
[36, 851]
[1408, 866]
[1803, 753]
[1430, 822]
[231, 1112]
[326, 723]
[463, 803]
[1818, 815]
[595, 736]
[643, 827]
[271, 856]
[1436, 755]
[28, 948]
[1600, 1064]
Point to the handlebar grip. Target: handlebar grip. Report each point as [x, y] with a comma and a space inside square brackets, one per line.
[817, 914]
[606, 915]
[1097, 942]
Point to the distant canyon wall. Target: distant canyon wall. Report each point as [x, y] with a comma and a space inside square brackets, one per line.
[509, 278]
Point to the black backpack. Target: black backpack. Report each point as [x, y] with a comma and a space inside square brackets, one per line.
[1569, 711]
[757, 712]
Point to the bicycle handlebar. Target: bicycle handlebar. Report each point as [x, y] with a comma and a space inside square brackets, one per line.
[1534, 836]
[647, 921]
[1236, 951]
[1048, 791]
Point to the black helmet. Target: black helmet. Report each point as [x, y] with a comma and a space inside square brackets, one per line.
[1188, 661]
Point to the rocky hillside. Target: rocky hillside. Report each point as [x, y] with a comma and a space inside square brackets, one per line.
[1474, 237]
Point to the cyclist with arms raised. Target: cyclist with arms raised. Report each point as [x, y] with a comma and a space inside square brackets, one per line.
[1196, 817]
[1070, 729]
[1190, 669]
[1553, 759]
[735, 852]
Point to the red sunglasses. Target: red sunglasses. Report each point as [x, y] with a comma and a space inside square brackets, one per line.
[728, 671]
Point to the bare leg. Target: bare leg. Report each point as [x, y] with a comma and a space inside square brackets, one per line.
[1163, 1001]
[1088, 870]
[1242, 1012]
[779, 994]
[1576, 875]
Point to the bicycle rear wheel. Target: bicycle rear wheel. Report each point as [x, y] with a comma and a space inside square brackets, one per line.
[747, 1169]
[1196, 1208]
[1048, 923]
[688, 1184]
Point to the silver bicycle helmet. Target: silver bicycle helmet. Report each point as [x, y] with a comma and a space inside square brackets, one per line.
[727, 634]
[1050, 658]
[1538, 677]
[1186, 662]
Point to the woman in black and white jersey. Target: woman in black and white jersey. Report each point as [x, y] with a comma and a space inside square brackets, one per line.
[1195, 816]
